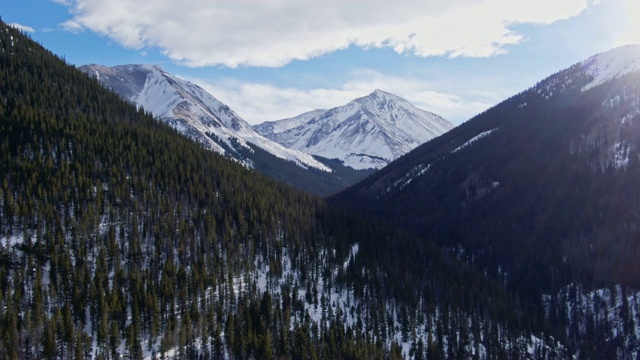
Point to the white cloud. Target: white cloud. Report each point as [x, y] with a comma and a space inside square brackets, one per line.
[72, 26]
[257, 102]
[275, 32]
[23, 28]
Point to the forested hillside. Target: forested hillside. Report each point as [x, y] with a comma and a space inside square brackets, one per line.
[541, 192]
[119, 238]
[551, 171]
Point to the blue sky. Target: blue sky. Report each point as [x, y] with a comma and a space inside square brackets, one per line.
[271, 59]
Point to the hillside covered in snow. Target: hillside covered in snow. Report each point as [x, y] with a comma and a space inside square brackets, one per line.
[368, 132]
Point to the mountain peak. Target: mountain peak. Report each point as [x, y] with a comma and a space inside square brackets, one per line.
[612, 64]
[378, 92]
[368, 132]
[380, 99]
[383, 95]
[191, 110]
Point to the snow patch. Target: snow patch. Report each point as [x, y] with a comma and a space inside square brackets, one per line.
[611, 65]
[412, 174]
[473, 139]
[616, 308]
[12, 241]
[620, 155]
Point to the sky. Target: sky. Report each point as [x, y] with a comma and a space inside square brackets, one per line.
[274, 59]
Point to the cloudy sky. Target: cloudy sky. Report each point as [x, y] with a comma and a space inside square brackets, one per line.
[272, 59]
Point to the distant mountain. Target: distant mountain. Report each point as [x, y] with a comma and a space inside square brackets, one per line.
[200, 116]
[368, 132]
[277, 130]
[191, 110]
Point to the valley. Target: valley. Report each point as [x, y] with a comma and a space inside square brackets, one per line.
[142, 218]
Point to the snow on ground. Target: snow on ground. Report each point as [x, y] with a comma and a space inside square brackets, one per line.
[472, 140]
[612, 64]
[415, 172]
[616, 308]
[11, 241]
[621, 153]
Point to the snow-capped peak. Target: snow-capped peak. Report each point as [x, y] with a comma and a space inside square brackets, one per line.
[192, 111]
[368, 132]
[383, 95]
[612, 64]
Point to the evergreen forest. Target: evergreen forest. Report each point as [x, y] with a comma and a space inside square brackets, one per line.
[122, 239]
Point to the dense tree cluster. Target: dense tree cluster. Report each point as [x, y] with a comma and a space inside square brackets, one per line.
[604, 323]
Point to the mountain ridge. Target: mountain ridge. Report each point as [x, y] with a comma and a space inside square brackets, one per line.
[539, 192]
[542, 146]
[200, 116]
[612, 64]
[189, 109]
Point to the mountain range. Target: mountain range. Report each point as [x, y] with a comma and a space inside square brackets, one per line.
[192, 111]
[376, 129]
[512, 236]
[368, 132]
[122, 238]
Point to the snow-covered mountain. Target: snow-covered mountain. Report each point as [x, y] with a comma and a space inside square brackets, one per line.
[278, 131]
[194, 112]
[611, 65]
[368, 132]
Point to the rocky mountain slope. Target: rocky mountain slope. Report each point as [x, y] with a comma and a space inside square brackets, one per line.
[368, 132]
[192, 111]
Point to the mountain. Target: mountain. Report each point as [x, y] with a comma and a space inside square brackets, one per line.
[120, 238]
[541, 192]
[276, 130]
[192, 111]
[366, 133]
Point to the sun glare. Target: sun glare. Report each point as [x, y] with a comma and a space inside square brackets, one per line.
[630, 33]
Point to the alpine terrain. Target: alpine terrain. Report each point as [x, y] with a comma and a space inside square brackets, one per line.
[366, 133]
[192, 111]
[541, 193]
[122, 239]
